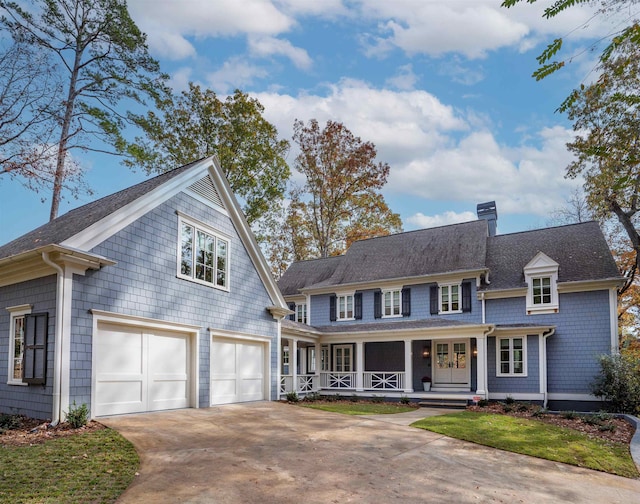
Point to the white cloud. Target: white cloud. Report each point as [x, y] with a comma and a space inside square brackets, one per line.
[460, 72]
[471, 27]
[405, 79]
[180, 79]
[420, 220]
[236, 73]
[269, 46]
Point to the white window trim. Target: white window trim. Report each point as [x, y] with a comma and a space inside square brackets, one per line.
[324, 358]
[525, 367]
[453, 284]
[391, 291]
[304, 310]
[353, 304]
[197, 225]
[542, 266]
[15, 312]
[335, 360]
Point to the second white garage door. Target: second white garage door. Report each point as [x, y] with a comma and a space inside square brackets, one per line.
[139, 369]
[237, 371]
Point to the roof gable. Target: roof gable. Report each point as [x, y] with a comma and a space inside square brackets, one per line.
[540, 262]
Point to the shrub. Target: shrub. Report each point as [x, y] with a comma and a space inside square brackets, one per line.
[619, 383]
[404, 400]
[538, 411]
[570, 415]
[483, 403]
[354, 398]
[312, 397]
[78, 415]
[509, 400]
[10, 422]
[292, 396]
[377, 399]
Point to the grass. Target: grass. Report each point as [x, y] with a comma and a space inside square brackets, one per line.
[535, 438]
[360, 408]
[93, 467]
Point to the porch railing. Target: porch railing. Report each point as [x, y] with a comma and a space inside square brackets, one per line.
[335, 380]
[306, 383]
[383, 380]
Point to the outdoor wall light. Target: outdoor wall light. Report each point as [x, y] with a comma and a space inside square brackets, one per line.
[426, 352]
[475, 351]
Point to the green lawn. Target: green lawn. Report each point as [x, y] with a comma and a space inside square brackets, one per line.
[358, 408]
[93, 467]
[531, 437]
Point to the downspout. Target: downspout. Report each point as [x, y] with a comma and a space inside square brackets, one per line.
[484, 318]
[57, 361]
[550, 332]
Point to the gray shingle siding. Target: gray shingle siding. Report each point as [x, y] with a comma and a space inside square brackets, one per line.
[582, 334]
[144, 283]
[34, 400]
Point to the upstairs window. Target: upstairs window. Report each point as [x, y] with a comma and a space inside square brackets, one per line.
[345, 307]
[301, 313]
[391, 303]
[541, 276]
[450, 298]
[204, 256]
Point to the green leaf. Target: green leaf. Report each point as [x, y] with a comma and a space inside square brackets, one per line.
[550, 51]
[561, 5]
[546, 70]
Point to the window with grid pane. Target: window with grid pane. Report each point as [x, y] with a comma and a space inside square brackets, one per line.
[511, 359]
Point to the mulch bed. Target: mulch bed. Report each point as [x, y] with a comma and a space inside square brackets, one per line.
[596, 426]
[30, 431]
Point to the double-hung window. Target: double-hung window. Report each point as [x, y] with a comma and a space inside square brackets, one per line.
[541, 276]
[16, 343]
[511, 356]
[204, 255]
[345, 307]
[541, 294]
[391, 303]
[301, 313]
[450, 298]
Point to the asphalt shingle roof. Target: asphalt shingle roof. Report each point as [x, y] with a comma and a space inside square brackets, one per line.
[444, 249]
[579, 249]
[78, 219]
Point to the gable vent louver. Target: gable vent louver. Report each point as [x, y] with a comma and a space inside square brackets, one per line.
[204, 187]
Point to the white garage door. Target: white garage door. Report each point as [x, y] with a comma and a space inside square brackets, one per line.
[138, 370]
[237, 371]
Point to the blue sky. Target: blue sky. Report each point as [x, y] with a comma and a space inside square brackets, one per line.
[442, 88]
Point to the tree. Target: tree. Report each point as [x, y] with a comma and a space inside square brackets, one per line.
[630, 33]
[197, 124]
[28, 91]
[575, 210]
[607, 145]
[102, 57]
[340, 200]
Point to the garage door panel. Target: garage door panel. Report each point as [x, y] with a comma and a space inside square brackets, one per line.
[237, 372]
[138, 370]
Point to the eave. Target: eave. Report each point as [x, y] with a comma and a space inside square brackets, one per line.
[395, 282]
[29, 265]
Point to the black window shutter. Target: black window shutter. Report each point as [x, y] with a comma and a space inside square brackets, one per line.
[332, 308]
[377, 304]
[433, 299]
[34, 370]
[466, 296]
[292, 306]
[357, 305]
[406, 302]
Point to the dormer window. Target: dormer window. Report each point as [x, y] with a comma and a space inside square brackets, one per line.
[541, 276]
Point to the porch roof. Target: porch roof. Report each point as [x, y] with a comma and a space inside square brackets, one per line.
[401, 325]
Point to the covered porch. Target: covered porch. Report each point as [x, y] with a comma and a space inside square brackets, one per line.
[390, 365]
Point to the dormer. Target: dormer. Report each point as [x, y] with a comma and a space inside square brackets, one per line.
[541, 277]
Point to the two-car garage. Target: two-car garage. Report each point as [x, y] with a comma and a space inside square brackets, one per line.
[152, 366]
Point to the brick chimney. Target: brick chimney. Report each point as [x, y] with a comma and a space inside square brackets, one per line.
[489, 212]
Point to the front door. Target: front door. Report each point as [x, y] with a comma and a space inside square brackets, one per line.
[451, 365]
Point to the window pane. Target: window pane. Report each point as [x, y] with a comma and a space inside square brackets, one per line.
[341, 307]
[387, 303]
[18, 347]
[221, 273]
[504, 367]
[349, 306]
[504, 343]
[454, 298]
[445, 298]
[396, 302]
[186, 259]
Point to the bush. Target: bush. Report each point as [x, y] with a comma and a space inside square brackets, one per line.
[483, 403]
[78, 416]
[619, 383]
[292, 396]
[10, 422]
[570, 415]
[377, 399]
[509, 400]
[404, 400]
[312, 397]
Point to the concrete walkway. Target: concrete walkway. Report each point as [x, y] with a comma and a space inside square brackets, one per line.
[277, 453]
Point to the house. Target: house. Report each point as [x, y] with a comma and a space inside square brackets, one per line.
[156, 297]
[481, 315]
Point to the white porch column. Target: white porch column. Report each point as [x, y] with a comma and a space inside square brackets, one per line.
[481, 366]
[316, 382]
[293, 359]
[408, 366]
[359, 366]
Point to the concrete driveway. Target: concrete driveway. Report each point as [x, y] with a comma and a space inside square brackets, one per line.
[277, 453]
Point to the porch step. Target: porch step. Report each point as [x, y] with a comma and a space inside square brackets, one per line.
[443, 403]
